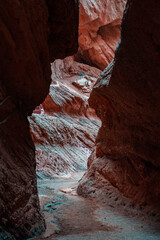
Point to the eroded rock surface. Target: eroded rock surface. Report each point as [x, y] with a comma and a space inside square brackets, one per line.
[99, 31]
[126, 98]
[65, 134]
[25, 27]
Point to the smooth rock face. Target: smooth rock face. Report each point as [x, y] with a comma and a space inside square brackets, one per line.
[24, 83]
[65, 134]
[63, 20]
[99, 31]
[19, 204]
[126, 98]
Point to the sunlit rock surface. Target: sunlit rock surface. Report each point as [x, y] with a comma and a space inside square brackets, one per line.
[99, 31]
[65, 134]
[126, 98]
[25, 28]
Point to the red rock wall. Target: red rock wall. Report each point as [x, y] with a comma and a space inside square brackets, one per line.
[64, 132]
[99, 31]
[126, 98]
[26, 27]
[63, 41]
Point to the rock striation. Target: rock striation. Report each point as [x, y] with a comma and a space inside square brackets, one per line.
[126, 98]
[65, 133]
[26, 27]
[99, 31]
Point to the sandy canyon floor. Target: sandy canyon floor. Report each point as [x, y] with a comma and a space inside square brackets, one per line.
[69, 216]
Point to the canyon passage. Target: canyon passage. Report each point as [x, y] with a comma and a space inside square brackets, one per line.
[79, 119]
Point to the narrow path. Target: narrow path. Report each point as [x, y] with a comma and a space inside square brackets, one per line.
[71, 217]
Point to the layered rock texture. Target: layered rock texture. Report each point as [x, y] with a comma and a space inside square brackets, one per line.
[65, 133]
[126, 98]
[99, 31]
[25, 28]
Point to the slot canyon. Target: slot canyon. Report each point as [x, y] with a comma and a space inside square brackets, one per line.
[79, 119]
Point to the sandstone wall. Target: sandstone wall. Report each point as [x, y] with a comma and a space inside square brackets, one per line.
[126, 98]
[26, 27]
[99, 31]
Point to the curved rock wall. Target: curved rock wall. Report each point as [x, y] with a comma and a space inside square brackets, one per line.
[25, 28]
[99, 31]
[64, 132]
[126, 98]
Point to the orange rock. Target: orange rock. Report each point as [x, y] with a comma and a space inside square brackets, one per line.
[99, 31]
